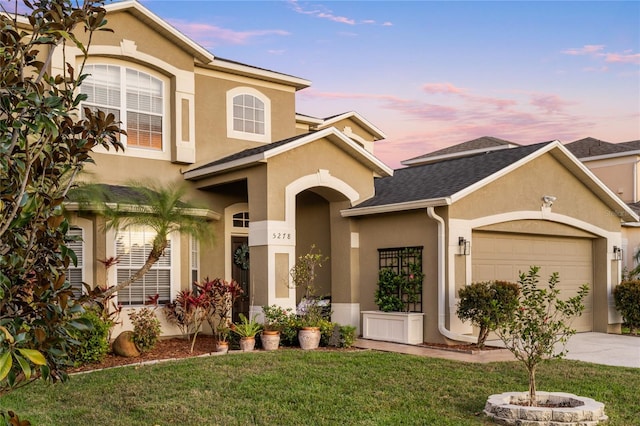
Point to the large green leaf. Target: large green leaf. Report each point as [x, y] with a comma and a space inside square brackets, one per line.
[24, 365]
[5, 364]
[34, 356]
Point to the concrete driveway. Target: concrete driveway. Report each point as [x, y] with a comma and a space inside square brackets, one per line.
[601, 348]
[607, 349]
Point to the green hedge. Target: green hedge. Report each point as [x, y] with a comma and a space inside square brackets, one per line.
[627, 298]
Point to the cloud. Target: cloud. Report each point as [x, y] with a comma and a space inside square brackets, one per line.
[587, 49]
[550, 104]
[435, 88]
[598, 51]
[325, 13]
[211, 35]
[321, 14]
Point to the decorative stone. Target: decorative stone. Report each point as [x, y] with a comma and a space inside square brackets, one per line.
[124, 346]
[575, 410]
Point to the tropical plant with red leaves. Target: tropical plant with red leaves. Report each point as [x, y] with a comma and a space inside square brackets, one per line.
[218, 303]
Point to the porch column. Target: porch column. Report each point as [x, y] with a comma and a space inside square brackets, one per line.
[273, 253]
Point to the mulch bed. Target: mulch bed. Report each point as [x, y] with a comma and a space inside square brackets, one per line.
[172, 348]
[165, 349]
[470, 348]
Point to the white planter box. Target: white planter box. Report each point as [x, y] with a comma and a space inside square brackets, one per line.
[401, 327]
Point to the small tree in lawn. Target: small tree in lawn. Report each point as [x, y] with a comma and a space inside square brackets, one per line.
[539, 323]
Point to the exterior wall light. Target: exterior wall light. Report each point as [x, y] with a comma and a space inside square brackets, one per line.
[464, 246]
[617, 253]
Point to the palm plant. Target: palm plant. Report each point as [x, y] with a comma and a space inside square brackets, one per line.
[146, 204]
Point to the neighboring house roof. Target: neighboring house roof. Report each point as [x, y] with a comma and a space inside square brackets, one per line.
[631, 144]
[592, 147]
[253, 156]
[472, 147]
[360, 120]
[447, 181]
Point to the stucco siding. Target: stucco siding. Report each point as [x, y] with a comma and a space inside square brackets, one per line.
[523, 189]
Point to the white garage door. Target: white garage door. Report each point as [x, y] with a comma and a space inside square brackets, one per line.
[502, 256]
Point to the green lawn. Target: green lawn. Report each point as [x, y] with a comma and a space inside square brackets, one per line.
[293, 387]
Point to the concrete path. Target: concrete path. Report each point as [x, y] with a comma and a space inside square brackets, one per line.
[598, 348]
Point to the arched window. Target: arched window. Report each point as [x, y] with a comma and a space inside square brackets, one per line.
[248, 115]
[241, 220]
[134, 97]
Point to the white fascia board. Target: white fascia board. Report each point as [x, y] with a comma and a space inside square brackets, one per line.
[397, 207]
[359, 119]
[435, 159]
[247, 70]
[223, 167]
[630, 153]
[307, 119]
[200, 52]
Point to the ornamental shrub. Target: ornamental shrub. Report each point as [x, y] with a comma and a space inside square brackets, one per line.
[486, 304]
[388, 295]
[146, 328]
[94, 342]
[627, 299]
[540, 327]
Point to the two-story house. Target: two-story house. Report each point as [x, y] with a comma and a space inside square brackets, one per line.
[274, 181]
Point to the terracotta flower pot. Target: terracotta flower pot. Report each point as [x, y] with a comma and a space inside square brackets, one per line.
[309, 337]
[270, 340]
[247, 344]
[222, 347]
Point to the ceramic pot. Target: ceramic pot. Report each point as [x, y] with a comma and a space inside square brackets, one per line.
[222, 347]
[270, 340]
[309, 337]
[247, 344]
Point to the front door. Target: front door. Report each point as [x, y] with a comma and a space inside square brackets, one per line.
[240, 273]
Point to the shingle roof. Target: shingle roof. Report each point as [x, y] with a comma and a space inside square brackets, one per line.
[444, 178]
[472, 145]
[252, 151]
[632, 144]
[635, 207]
[590, 147]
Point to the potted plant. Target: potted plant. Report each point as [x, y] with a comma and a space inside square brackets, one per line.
[246, 329]
[303, 275]
[275, 319]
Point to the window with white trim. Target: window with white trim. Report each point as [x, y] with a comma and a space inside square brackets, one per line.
[133, 246]
[75, 273]
[134, 97]
[241, 220]
[248, 115]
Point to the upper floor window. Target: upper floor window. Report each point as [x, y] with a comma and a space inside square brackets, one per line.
[248, 115]
[134, 97]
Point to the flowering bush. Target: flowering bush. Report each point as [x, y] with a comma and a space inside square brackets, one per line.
[146, 326]
[276, 318]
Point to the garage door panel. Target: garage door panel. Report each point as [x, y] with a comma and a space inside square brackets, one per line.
[498, 256]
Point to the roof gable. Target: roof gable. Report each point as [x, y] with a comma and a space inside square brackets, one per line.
[358, 119]
[261, 154]
[445, 182]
